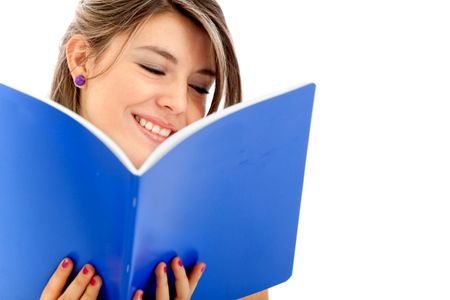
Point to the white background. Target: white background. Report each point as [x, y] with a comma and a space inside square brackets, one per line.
[374, 220]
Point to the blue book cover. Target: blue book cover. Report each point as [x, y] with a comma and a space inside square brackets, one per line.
[224, 190]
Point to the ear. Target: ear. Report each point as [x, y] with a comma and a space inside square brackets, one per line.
[77, 53]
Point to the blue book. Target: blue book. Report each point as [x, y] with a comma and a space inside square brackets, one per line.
[224, 190]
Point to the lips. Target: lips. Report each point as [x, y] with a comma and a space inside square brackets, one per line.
[156, 121]
[156, 138]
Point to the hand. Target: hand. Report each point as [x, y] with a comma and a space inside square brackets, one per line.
[184, 285]
[86, 284]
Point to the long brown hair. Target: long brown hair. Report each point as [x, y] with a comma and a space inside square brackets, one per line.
[99, 21]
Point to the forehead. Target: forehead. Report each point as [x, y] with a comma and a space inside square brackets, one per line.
[176, 33]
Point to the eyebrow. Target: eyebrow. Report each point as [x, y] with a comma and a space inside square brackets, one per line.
[161, 52]
[170, 57]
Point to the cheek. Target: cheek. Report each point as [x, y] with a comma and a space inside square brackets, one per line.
[107, 100]
[123, 91]
[196, 111]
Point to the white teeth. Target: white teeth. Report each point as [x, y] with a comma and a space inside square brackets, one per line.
[156, 129]
[164, 132]
[147, 125]
[153, 128]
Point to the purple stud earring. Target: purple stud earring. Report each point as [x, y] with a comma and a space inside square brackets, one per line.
[80, 80]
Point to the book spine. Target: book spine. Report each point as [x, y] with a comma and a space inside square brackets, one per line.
[126, 290]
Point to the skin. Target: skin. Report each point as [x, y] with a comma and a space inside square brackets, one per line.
[142, 81]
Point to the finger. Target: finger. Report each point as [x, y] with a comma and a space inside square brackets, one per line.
[92, 290]
[195, 275]
[181, 280]
[162, 287]
[79, 284]
[139, 295]
[55, 285]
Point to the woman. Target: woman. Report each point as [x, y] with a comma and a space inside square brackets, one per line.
[140, 70]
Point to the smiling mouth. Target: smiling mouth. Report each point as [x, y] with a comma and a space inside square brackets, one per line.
[152, 131]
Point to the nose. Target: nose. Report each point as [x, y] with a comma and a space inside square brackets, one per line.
[174, 98]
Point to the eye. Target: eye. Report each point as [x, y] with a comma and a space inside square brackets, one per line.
[199, 90]
[153, 70]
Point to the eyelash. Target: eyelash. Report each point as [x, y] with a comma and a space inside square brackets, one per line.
[153, 70]
[199, 89]
[161, 73]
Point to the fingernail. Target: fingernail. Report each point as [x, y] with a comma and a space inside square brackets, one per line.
[141, 294]
[85, 270]
[203, 268]
[180, 263]
[65, 263]
[93, 281]
[165, 269]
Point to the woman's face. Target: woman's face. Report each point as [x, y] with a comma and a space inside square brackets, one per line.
[157, 87]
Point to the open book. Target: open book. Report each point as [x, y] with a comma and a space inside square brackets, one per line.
[225, 190]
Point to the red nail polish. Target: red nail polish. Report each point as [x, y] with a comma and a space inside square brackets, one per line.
[180, 263]
[93, 281]
[165, 269]
[203, 268]
[85, 270]
[65, 263]
[141, 295]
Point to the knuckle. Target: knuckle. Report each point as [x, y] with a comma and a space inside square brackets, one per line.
[79, 281]
[161, 281]
[59, 273]
[179, 273]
